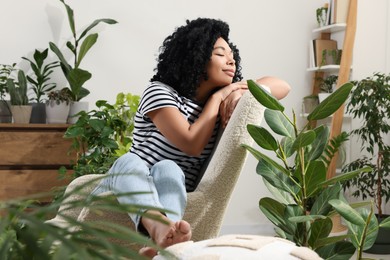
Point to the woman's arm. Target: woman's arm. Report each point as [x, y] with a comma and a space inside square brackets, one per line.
[191, 138]
[279, 88]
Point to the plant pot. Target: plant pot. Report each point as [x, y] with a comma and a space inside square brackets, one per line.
[57, 113]
[5, 112]
[76, 107]
[323, 96]
[21, 114]
[382, 241]
[309, 104]
[38, 113]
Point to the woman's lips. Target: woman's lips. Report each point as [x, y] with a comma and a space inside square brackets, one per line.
[229, 72]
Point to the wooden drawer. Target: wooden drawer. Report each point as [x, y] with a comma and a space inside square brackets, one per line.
[30, 157]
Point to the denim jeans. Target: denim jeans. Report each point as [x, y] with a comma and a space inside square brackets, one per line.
[164, 182]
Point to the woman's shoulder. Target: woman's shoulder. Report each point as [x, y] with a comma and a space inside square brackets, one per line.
[161, 87]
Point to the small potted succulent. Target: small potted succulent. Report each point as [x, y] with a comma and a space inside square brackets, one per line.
[57, 106]
[20, 107]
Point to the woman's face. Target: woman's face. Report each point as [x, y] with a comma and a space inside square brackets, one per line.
[221, 68]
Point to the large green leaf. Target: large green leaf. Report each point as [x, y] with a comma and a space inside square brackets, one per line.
[76, 78]
[264, 97]
[320, 229]
[258, 155]
[274, 211]
[347, 212]
[287, 145]
[276, 178]
[262, 137]
[319, 144]
[304, 139]
[64, 64]
[281, 195]
[332, 103]
[345, 176]
[385, 223]
[321, 205]
[278, 123]
[341, 250]
[315, 174]
[70, 17]
[85, 46]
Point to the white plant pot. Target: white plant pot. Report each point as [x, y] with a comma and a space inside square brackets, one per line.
[323, 96]
[21, 114]
[75, 107]
[57, 113]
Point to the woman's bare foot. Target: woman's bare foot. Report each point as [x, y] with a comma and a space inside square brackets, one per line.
[165, 234]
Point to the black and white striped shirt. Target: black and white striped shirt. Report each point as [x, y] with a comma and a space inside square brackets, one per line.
[152, 146]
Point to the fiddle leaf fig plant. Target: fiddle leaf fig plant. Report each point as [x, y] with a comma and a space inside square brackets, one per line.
[80, 46]
[297, 178]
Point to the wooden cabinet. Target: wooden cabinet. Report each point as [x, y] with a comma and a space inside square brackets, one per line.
[30, 156]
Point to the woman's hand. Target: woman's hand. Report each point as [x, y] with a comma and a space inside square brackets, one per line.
[228, 105]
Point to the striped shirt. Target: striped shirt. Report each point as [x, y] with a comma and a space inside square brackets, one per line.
[152, 146]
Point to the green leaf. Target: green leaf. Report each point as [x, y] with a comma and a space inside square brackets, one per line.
[274, 211]
[70, 13]
[76, 78]
[315, 174]
[64, 64]
[263, 96]
[319, 143]
[320, 229]
[347, 212]
[93, 24]
[85, 46]
[259, 155]
[332, 103]
[282, 196]
[339, 251]
[345, 176]
[276, 178]
[278, 123]
[321, 205]
[304, 139]
[262, 137]
[385, 223]
[287, 145]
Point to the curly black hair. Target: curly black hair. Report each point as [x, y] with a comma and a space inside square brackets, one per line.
[184, 55]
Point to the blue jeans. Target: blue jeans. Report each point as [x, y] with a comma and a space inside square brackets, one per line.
[164, 182]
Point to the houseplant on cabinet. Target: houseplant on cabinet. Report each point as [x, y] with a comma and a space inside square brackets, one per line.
[20, 108]
[327, 85]
[40, 84]
[57, 106]
[370, 102]
[80, 46]
[301, 212]
[5, 110]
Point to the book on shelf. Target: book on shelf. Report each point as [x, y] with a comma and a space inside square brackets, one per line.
[339, 11]
[318, 47]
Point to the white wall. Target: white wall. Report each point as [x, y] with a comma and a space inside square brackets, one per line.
[272, 36]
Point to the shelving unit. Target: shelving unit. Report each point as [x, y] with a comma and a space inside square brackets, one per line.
[343, 69]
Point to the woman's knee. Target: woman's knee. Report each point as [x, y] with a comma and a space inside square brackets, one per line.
[127, 163]
[167, 169]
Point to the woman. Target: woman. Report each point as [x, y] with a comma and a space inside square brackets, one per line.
[197, 80]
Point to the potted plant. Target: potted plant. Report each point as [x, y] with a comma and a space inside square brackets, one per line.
[40, 84]
[322, 15]
[20, 107]
[101, 135]
[301, 209]
[310, 102]
[327, 85]
[80, 46]
[370, 102]
[5, 110]
[57, 106]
